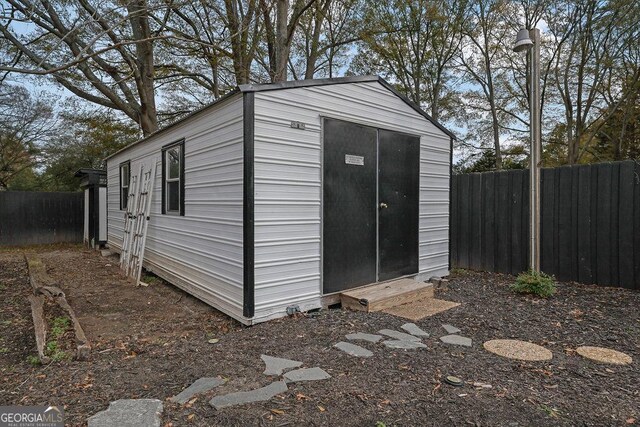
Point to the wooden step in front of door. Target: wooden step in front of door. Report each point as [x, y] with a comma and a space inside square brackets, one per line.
[381, 296]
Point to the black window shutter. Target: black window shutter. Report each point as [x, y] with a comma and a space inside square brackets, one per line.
[126, 196]
[120, 187]
[164, 186]
[181, 178]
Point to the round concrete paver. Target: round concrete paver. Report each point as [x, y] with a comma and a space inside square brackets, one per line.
[604, 355]
[519, 350]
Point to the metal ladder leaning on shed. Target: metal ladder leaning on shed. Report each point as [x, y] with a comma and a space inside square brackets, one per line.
[137, 219]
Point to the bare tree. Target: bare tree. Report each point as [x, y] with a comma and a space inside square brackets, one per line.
[480, 56]
[413, 43]
[103, 54]
[594, 42]
[280, 23]
[324, 36]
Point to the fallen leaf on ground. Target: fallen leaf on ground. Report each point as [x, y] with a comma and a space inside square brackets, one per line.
[277, 411]
[321, 409]
[482, 385]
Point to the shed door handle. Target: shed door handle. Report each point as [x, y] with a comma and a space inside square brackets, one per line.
[383, 205]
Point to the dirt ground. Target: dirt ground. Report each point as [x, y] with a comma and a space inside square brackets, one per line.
[152, 342]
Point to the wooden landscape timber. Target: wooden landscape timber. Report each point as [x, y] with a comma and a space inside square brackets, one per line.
[44, 289]
[37, 312]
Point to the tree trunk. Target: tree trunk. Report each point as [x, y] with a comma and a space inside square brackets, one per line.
[144, 78]
[282, 45]
[435, 104]
[239, 27]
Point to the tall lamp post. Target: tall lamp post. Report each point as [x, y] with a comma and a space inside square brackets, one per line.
[529, 41]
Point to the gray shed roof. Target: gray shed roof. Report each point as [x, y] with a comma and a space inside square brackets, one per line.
[292, 84]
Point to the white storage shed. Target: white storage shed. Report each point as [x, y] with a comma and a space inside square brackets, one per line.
[279, 194]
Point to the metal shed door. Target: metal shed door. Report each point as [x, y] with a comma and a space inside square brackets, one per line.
[370, 205]
[349, 213]
[398, 177]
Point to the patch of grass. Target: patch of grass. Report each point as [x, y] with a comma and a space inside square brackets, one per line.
[532, 282]
[59, 356]
[54, 352]
[33, 360]
[552, 412]
[380, 424]
[60, 326]
[2, 287]
[151, 279]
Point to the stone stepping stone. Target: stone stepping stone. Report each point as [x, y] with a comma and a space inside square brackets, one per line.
[408, 345]
[306, 374]
[277, 365]
[364, 337]
[243, 397]
[519, 350]
[414, 330]
[451, 329]
[129, 413]
[456, 340]
[353, 350]
[199, 386]
[604, 355]
[400, 336]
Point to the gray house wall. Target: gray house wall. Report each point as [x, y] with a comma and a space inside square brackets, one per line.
[200, 252]
[288, 186]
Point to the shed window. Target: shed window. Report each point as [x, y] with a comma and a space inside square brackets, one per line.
[173, 178]
[125, 177]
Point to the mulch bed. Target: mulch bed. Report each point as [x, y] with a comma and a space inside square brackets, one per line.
[152, 342]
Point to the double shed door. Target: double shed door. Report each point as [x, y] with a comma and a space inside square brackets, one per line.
[370, 205]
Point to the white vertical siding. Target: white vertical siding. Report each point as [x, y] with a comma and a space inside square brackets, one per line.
[288, 189]
[102, 215]
[201, 252]
[86, 215]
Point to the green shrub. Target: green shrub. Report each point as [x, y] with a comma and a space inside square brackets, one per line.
[532, 282]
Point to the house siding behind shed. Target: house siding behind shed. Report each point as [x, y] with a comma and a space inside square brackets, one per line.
[288, 186]
[202, 251]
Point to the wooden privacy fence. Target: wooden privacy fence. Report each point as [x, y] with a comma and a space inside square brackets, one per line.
[590, 222]
[30, 217]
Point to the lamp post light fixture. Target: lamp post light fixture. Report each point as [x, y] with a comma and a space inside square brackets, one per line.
[529, 41]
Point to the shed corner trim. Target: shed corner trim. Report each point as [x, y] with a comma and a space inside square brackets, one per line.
[248, 116]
